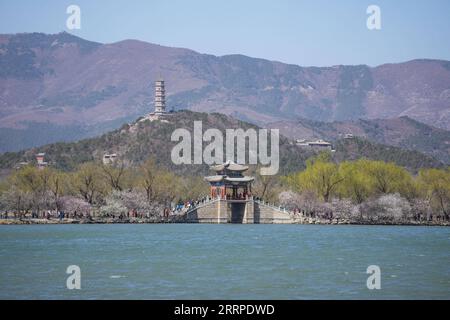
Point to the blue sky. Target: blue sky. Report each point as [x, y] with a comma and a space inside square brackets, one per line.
[303, 32]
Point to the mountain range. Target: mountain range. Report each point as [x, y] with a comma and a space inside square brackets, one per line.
[402, 132]
[58, 87]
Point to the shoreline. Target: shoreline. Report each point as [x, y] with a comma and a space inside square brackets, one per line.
[6, 222]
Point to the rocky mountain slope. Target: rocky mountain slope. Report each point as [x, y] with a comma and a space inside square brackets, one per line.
[401, 132]
[60, 87]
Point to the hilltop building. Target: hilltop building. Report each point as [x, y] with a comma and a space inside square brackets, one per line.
[348, 136]
[160, 97]
[160, 111]
[317, 144]
[109, 158]
[41, 164]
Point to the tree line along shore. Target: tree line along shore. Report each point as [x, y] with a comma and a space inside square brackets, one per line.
[325, 192]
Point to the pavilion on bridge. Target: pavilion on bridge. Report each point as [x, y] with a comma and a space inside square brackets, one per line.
[229, 183]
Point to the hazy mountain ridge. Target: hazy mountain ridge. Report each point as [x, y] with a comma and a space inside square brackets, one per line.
[87, 87]
[401, 132]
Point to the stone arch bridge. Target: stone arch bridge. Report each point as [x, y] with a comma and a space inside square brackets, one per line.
[236, 211]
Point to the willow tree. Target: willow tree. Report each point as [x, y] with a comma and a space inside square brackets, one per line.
[88, 181]
[357, 184]
[58, 184]
[266, 187]
[390, 178]
[147, 173]
[320, 176]
[167, 187]
[117, 175]
[435, 187]
[34, 182]
[15, 198]
[192, 187]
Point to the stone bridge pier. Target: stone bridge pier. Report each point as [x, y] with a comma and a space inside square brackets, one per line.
[233, 202]
[249, 211]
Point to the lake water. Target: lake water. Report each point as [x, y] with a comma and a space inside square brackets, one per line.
[191, 261]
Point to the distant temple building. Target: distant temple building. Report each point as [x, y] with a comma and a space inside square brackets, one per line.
[348, 136]
[109, 158]
[40, 161]
[160, 97]
[317, 144]
[160, 111]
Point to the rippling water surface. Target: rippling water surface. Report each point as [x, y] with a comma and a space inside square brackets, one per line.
[190, 261]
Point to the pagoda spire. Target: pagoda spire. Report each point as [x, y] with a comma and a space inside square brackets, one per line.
[160, 96]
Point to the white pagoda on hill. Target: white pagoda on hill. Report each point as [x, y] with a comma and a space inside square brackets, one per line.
[160, 97]
[160, 103]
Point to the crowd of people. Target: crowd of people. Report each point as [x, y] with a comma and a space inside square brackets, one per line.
[45, 214]
[190, 204]
[239, 196]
